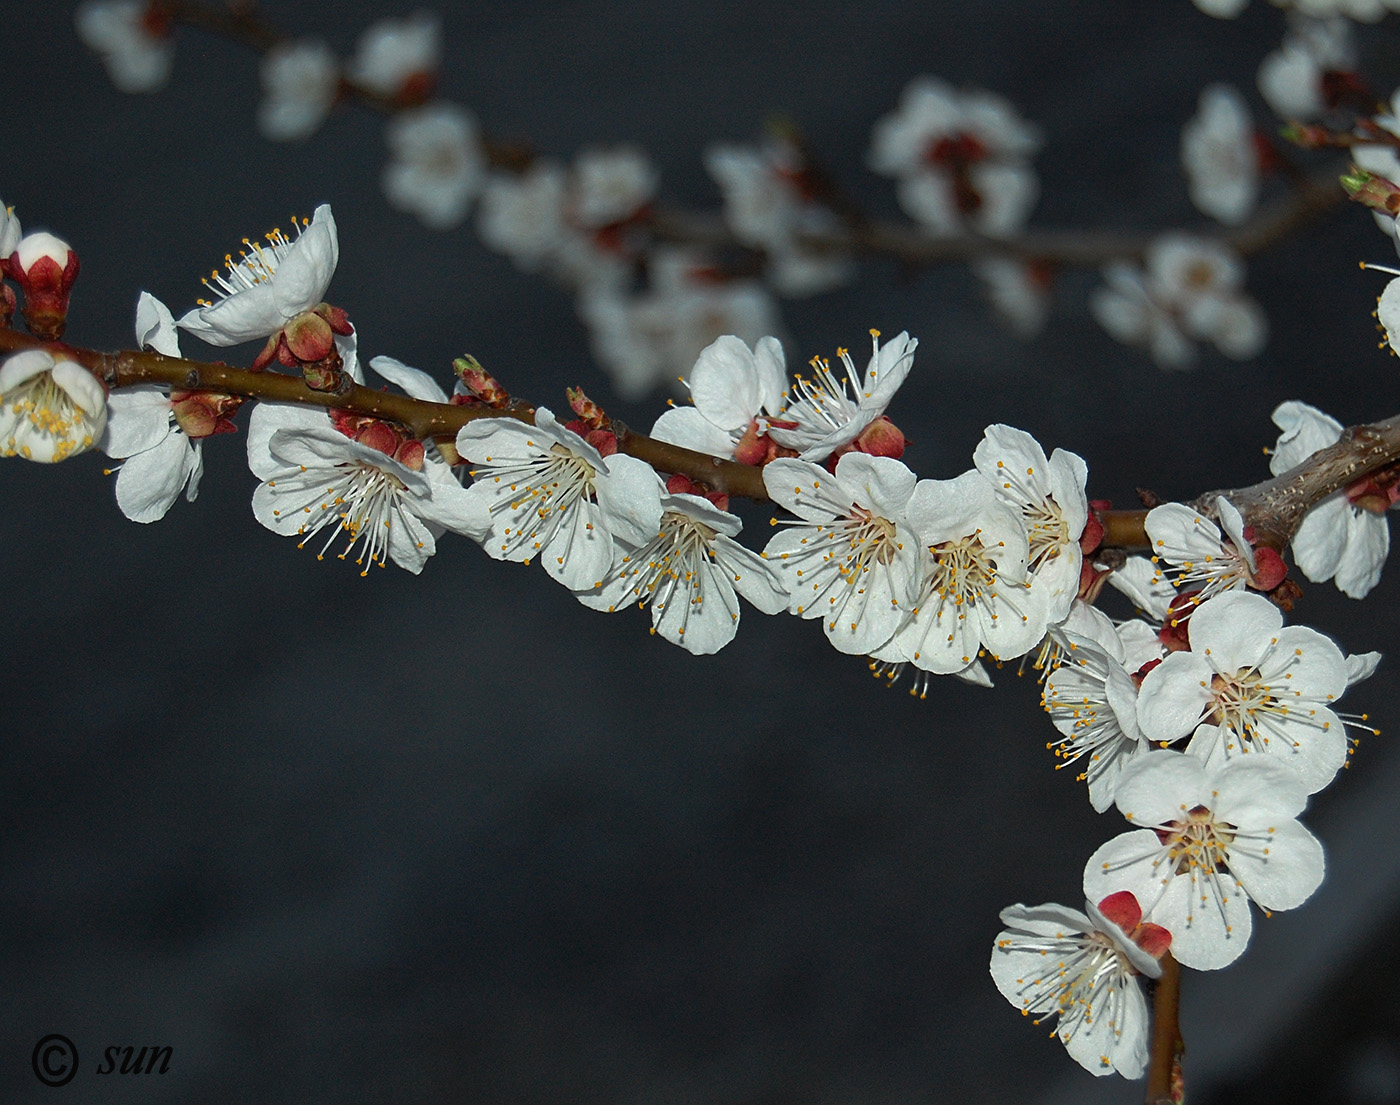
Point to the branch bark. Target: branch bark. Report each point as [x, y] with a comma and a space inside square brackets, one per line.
[1165, 1085]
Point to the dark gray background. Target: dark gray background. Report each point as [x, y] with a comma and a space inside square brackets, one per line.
[455, 838]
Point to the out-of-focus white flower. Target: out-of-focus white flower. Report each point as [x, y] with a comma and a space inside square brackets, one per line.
[1364, 11]
[1291, 78]
[765, 207]
[1251, 687]
[269, 286]
[1219, 156]
[1213, 838]
[831, 413]
[1084, 970]
[394, 57]
[549, 493]
[852, 557]
[300, 82]
[1192, 288]
[961, 159]
[11, 233]
[1019, 292]
[647, 339]
[132, 37]
[437, 165]
[522, 215]
[1049, 495]
[688, 574]
[976, 590]
[1346, 537]
[731, 387]
[610, 185]
[51, 408]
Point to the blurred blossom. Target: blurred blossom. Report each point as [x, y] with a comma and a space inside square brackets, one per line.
[133, 40]
[1019, 292]
[647, 339]
[1219, 156]
[610, 185]
[766, 207]
[300, 82]
[398, 57]
[437, 164]
[1191, 289]
[1291, 78]
[961, 159]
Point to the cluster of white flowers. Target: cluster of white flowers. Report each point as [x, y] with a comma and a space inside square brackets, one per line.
[1190, 289]
[1206, 721]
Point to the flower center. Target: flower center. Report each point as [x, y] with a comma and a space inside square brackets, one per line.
[51, 412]
[1198, 842]
[362, 501]
[963, 571]
[547, 485]
[257, 262]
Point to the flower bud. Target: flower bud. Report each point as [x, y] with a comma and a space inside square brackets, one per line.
[480, 382]
[1374, 191]
[45, 267]
[882, 438]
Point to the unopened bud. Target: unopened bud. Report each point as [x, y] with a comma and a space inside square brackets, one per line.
[588, 411]
[882, 438]
[45, 267]
[1374, 191]
[309, 337]
[480, 382]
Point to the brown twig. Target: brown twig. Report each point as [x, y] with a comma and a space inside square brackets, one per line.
[1164, 1075]
[1274, 507]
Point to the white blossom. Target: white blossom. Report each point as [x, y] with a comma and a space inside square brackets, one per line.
[393, 53]
[437, 165]
[1092, 700]
[689, 573]
[136, 51]
[831, 413]
[1049, 495]
[961, 159]
[851, 557]
[51, 407]
[645, 339]
[1200, 557]
[269, 285]
[1338, 539]
[550, 494]
[160, 459]
[1251, 687]
[11, 234]
[1143, 583]
[732, 388]
[1218, 154]
[1291, 78]
[1019, 292]
[765, 207]
[300, 82]
[1213, 838]
[1083, 970]
[522, 215]
[610, 185]
[316, 477]
[976, 590]
[1191, 288]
